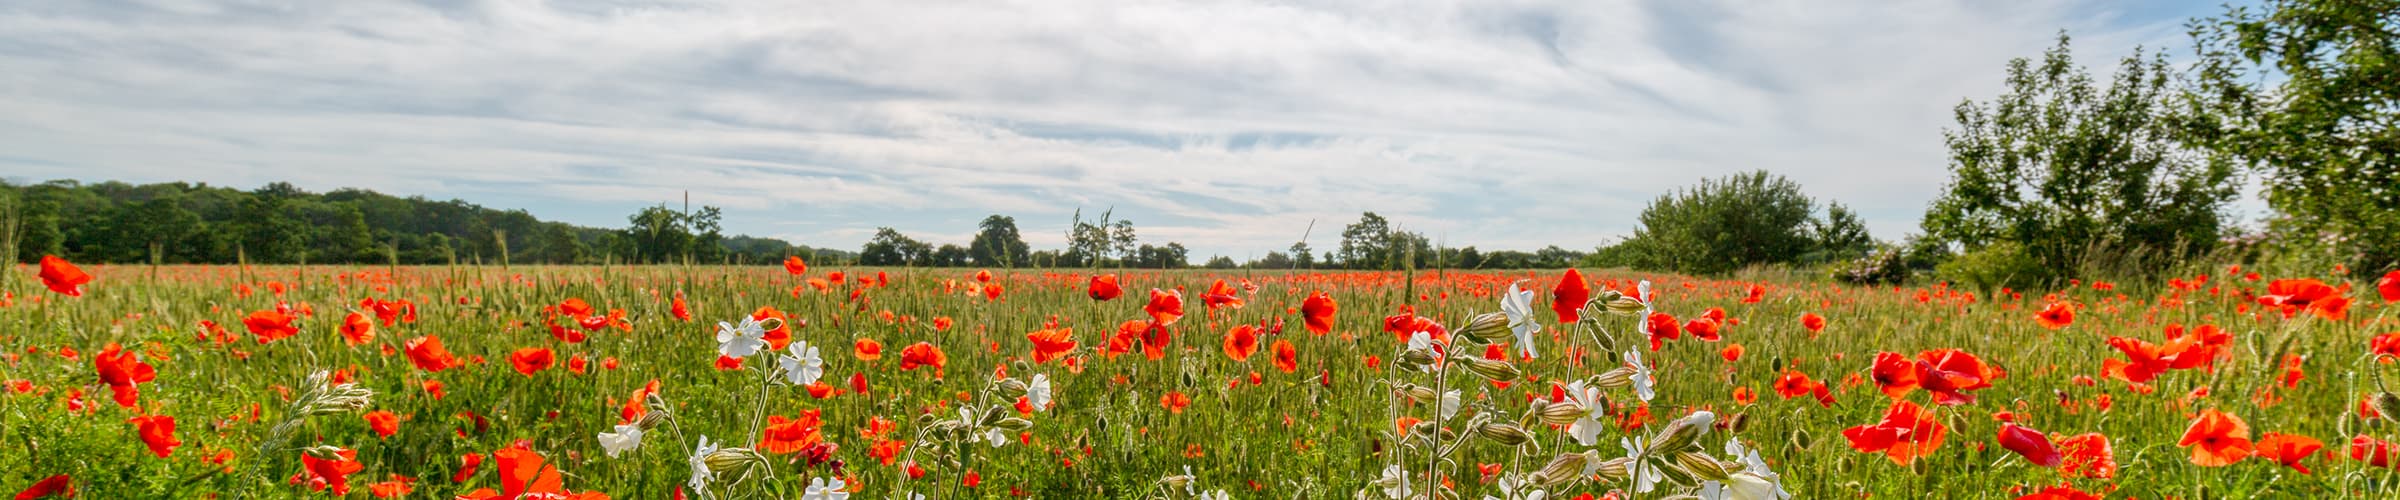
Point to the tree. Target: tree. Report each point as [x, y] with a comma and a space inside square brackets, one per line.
[949, 255]
[269, 234]
[159, 226]
[1468, 258]
[890, 248]
[708, 244]
[1366, 244]
[1273, 260]
[2324, 133]
[659, 235]
[1221, 262]
[2078, 176]
[1721, 225]
[1121, 238]
[1301, 258]
[1841, 235]
[560, 246]
[997, 243]
[40, 235]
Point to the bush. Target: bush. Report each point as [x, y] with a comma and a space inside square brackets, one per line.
[2004, 264]
[1885, 266]
[1722, 225]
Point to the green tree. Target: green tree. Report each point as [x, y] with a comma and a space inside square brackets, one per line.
[1366, 244]
[659, 235]
[1841, 235]
[1720, 225]
[153, 229]
[269, 232]
[2080, 176]
[708, 242]
[1301, 258]
[2323, 132]
[560, 246]
[997, 243]
[949, 255]
[890, 248]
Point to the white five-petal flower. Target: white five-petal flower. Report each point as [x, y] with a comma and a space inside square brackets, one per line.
[823, 489]
[741, 341]
[1518, 304]
[1037, 392]
[1586, 429]
[803, 366]
[627, 437]
[1643, 383]
[700, 474]
[1397, 478]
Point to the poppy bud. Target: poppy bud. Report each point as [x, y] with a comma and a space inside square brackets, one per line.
[1491, 369]
[1418, 357]
[1700, 464]
[992, 416]
[2388, 405]
[1487, 327]
[1620, 377]
[1613, 469]
[1012, 387]
[1561, 469]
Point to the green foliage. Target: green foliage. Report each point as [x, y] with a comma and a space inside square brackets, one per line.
[1366, 243]
[2323, 133]
[2075, 174]
[1883, 266]
[2003, 264]
[1722, 225]
[890, 248]
[997, 244]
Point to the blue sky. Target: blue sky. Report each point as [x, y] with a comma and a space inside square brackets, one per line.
[1226, 125]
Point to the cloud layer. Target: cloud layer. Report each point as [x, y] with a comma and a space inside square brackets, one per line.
[1227, 125]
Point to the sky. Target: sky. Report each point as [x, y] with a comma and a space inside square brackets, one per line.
[1227, 125]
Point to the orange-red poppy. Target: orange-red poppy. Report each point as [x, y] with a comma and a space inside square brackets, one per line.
[2029, 443]
[1568, 297]
[790, 435]
[1220, 295]
[1905, 433]
[532, 359]
[782, 334]
[867, 349]
[1241, 342]
[122, 371]
[1703, 329]
[1174, 401]
[1317, 312]
[157, 432]
[58, 485]
[2291, 296]
[1812, 322]
[1051, 343]
[922, 354]
[2055, 316]
[1103, 287]
[383, 422]
[1286, 358]
[63, 277]
[792, 264]
[2217, 439]
[267, 325]
[1165, 306]
[321, 474]
[2389, 286]
[2087, 455]
[1661, 327]
[2288, 449]
[357, 329]
[427, 353]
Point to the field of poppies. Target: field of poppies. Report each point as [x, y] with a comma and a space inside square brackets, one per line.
[798, 382]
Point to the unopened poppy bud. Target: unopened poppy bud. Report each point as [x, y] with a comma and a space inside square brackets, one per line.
[323, 452]
[1491, 369]
[1700, 464]
[2388, 405]
[1012, 387]
[1683, 432]
[1738, 422]
[1487, 327]
[1014, 424]
[1560, 413]
[1505, 434]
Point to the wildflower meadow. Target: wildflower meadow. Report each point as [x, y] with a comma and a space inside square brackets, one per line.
[130, 381]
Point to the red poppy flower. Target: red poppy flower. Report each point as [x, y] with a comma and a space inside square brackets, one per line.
[383, 422]
[1731, 353]
[1703, 329]
[1894, 374]
[1286, 358]
[785, 436]
[1220, 295]
[63, 277]
[922, 354]
[1905, 433]
[1103, 287]
[2088, 456]
[2061, 492]
[2291, 296]
[1812, 322]
[122, 371]
[58, 485]
[795, 266]
[1051, 344]
[867, 349]
[532, 359]
[2385, 347]
[1156, 338]
[1756, 294]
[466, 468]
[2288, 449]
[1568, 297]
[270, 324]
[1317, 312]
[682, 312]
[2217, 439]
[357, 329]
[782, 334]
[2389, 286]
[1949, 373]
[427, 353]
[2029, 443]
[320, 473]
[1241, 342]
[1174, 401]
[2373, 451]
[2057, 315]
[525, 474]
[1661, 327]
[1744, 396]
[1165, 306]
[157, 432]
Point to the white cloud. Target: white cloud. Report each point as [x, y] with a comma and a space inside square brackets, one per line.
[1227, 125]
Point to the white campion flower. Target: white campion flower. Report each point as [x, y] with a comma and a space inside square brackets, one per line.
[1518, 304]
[1586, 429]
[1450, 404]
[1643, 384]
[700, 474]
[1397, 480]
[1755, 467]
[1512, 489]
[1423, 341]
[1037, 392]
[1215, 495]
[822, 489]
[626, 437]
[1644, 476]
[741, 341]
[803, 366]
[1642, 292]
